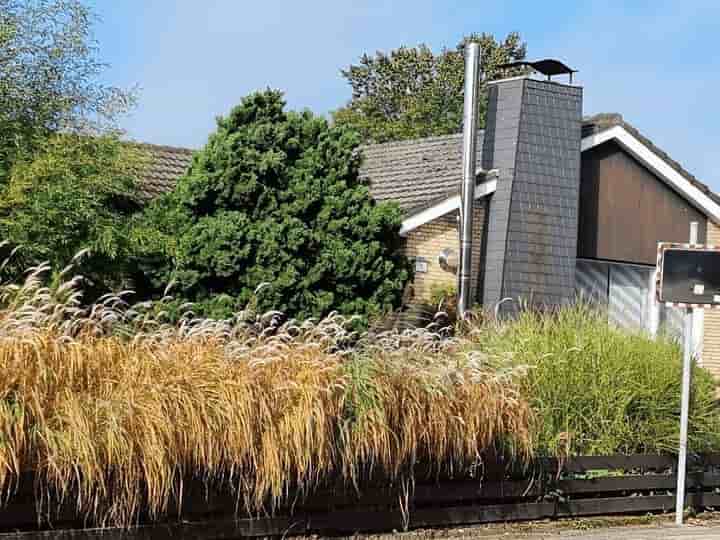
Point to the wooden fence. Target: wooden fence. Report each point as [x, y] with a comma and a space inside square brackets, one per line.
[583, 486]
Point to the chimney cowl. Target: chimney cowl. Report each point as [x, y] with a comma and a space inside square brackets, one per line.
[547, 67]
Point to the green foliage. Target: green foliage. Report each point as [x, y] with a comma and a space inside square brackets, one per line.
[596, 389]
[275, 198]
[76, 193]
[49, 77]
[444, 297]
[412, 92]
[61, 193]
[442, 293]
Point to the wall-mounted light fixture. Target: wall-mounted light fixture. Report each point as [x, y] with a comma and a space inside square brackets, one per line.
[421, 265]
[448, 260]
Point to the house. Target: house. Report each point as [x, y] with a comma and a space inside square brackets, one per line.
[578, 206]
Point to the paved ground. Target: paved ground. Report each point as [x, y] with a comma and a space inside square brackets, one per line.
[703, 527]
[669, 532]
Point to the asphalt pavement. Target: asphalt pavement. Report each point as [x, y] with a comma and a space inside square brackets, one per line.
[669, 532]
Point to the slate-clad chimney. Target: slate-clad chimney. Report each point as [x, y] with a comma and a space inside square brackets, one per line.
[532, 136]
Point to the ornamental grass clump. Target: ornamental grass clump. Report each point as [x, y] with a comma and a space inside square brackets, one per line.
[114, 409]
[412, 398]
[597, 389]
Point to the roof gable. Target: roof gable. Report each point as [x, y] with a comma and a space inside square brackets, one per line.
[602, 122]
[657, 161]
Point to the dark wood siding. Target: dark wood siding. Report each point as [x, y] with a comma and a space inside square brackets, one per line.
[625, 210]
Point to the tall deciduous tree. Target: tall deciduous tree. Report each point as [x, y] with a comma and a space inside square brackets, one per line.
[49, 77]
[413, 92]
[274, 197]
[66, 180]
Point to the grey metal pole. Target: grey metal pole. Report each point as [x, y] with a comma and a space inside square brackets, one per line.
[685, 400]
[467, 194]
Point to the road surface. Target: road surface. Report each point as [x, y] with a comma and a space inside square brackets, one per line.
[703, 527]
[669, 532]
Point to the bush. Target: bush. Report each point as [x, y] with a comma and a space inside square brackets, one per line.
[596, 389]
[76, 193]
[275, 198]
[51, 78]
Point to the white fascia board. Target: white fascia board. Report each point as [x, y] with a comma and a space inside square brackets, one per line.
[596, 139]
[657, 165]
[442, 208]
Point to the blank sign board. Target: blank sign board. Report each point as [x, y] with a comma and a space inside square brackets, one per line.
[689, 275]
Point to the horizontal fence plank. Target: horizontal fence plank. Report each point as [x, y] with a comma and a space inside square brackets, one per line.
[208, 530]
[645, 482]
[429, 493]
[633, 505]
[580, 464]
[477, 514]
[24, 515]
[475, 490]
[619, 462]
[616, 505]
[351, 521]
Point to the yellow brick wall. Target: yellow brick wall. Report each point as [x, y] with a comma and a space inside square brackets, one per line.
[427, 241]
[711, 331]
[478, 225]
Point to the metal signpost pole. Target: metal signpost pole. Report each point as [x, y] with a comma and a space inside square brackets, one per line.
[685, 400]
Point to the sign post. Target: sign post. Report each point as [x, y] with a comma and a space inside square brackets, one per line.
[688, 278]
[685, 400]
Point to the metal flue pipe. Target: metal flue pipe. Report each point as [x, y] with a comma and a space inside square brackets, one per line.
[467, 194]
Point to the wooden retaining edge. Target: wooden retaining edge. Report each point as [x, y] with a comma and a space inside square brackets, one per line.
[352, 521]
[447, 503]
[21, 513]
[207, 530]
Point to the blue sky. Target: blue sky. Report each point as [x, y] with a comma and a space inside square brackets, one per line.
[655, 62]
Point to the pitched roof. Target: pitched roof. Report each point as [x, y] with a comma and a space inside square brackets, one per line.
[416, 173]
[419, 173]
[603, 121]
[166, 165]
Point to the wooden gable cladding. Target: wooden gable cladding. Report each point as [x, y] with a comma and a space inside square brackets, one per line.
[625, 210]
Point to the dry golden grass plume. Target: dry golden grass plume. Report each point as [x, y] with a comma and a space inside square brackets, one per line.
[112, 406]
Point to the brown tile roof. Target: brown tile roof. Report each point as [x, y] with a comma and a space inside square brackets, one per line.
[603, 121]
[166, 164]
[415, 173]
